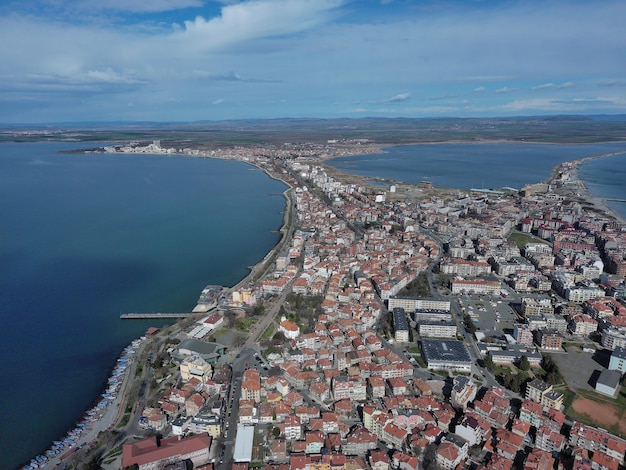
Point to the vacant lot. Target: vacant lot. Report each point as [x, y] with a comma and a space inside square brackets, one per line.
[580, 369]
[602, 414]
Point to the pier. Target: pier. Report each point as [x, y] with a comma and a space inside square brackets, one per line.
[612, 199]
[143, 316]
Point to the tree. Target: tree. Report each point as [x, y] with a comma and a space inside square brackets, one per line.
[524, 364]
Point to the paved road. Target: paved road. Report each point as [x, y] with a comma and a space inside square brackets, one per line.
[244, 360]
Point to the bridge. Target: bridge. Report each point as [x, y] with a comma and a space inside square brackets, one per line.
[143, 316]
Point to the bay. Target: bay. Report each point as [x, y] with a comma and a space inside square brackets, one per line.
[470, 165]
[85, 238]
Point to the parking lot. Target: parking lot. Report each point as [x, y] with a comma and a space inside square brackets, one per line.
[489, 315]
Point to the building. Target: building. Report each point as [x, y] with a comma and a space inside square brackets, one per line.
[613, 338]
[414, 303]
[289, 328]
[618, 360]
[206, 424]
[195, 367]
[608, 382]
[400, 325]
[542, 393]
[463, 391]
[154, 453]
[437, 329]
[243, 444]
[597, 440]
[446, 355]
[522, 334]
[582, 325]
[476, 286]
[549, 339]
[210, 352]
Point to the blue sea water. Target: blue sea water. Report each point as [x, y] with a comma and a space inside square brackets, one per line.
[475, 165]
[84, 238]
[606, 178]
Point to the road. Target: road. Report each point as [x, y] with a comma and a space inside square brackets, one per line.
[244, 360]
[258, 328]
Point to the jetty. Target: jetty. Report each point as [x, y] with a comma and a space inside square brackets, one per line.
[143, 316]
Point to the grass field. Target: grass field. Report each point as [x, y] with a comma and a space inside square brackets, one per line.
[521, 239]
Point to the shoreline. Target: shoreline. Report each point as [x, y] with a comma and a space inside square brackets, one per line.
[599, 204]
[113, 410]
[117, 405]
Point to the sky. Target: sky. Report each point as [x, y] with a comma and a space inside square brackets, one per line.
[190, 60]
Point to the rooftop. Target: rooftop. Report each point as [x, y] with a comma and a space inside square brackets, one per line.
[445, 350]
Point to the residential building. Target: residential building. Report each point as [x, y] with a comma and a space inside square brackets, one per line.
[543, 393]
[195, 367]
[522, 334]
[463, 391]
[613, 338]
[549, 339]
[400, 325]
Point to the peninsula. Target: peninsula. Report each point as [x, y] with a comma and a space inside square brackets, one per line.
[405, 326]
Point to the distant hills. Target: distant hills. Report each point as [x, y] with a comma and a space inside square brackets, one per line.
[564, 129]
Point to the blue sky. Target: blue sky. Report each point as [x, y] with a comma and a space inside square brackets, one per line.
[188, 60]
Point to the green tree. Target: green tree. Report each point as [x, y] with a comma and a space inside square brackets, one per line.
[524, 364]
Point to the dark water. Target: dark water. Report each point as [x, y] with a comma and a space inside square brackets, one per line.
[465, 166]
[85, 238]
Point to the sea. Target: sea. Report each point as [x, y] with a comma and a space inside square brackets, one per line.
[493, 166]
[87, 237]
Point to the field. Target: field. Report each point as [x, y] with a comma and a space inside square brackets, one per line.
[597, 412]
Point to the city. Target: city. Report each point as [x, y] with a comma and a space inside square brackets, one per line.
[397, 328]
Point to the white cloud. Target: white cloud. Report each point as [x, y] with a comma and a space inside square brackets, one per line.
[503, 90]
[543, 87]
[398, 98]
[317, 55]
[255, 20]
[217, 101]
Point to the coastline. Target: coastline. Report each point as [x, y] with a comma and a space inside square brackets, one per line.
[113, 411]
[584, 195]
[87, 434]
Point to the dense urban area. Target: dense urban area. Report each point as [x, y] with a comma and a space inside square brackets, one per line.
[393, 327]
